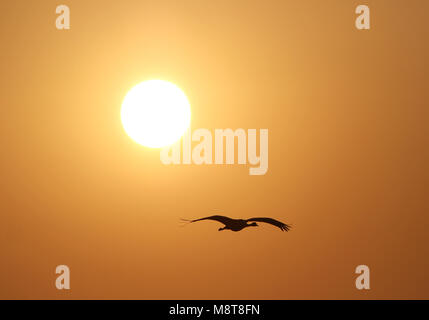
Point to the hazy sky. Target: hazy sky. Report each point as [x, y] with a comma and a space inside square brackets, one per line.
[347, 113]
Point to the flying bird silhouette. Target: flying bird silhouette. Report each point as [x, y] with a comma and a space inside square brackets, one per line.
[240, 224]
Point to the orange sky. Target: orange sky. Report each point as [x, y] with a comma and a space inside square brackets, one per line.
[348, 150]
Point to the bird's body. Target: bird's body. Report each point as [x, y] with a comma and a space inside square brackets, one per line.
[240, 224]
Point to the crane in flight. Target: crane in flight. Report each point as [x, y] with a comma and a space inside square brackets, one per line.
[240, 224]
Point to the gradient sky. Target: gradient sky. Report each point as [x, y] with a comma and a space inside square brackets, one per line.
[347, 113]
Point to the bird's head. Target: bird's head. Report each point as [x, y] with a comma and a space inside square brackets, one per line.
[253, 224]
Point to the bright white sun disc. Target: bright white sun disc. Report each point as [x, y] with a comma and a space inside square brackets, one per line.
[155, 113]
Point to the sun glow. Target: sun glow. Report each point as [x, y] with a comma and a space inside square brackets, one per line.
[155, 113]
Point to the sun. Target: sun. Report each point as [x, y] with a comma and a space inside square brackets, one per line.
[155, 113]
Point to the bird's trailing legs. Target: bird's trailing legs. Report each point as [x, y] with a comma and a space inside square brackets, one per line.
[185, 222]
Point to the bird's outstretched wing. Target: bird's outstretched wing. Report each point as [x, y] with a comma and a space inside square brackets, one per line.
[281, 225]
[221, 219]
